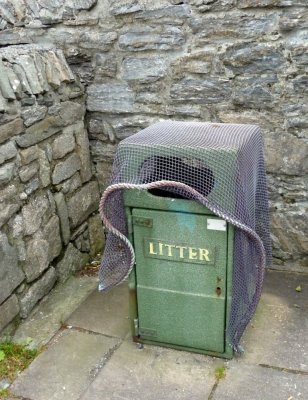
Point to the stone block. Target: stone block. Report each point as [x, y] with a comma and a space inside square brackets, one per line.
[270, 3]
[233, 26]
[83, 152]
[255, 59]
[195, 63]
[15, 83]
[6, 212]
[5, 85]
[103, 174]
[204, 6]
[122, 7]
[38, 132]
[96, 235]
[83, 4]
[105, 65]
[101, 41]
[28, 65]
[72, 261]
[101, 151]
[36, 291]
[6, 173]
[83, 203]
[17, 226]
[7, 151]
[32, 186]
[9, 194]
[140, 39]
[63, 145]
[208, 91]
[28, 171]
[11, 129]
[70, 185]
[23, 81]
[65, 169]
[144, 70]
[52, 236]
[63, 215]
[10, 37]
[127, 126]
[291, 20]
[110, 97]
[294, 220]
[28, 155]
[3, 104]
[33, 213]
[82, 242]
[287, 156]
[8, 311]
[44, 169]
[37, 258]
[71, 112]
[11, 275]
[32, 115]
[254, 92]
[174, 14]
[300, 85]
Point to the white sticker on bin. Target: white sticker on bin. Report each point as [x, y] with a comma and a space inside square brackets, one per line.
[216, 224]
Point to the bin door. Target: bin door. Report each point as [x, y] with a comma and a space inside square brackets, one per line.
[181, 263]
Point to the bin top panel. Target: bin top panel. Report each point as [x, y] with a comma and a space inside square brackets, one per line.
[196, 135]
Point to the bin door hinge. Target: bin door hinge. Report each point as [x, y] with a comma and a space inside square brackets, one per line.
[136, 326]
[147, 222]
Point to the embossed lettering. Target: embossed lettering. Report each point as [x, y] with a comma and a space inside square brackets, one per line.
[151, 250]
[181, 248]
[158, 249]
[204, 255]
[170, 247]
[192, 253]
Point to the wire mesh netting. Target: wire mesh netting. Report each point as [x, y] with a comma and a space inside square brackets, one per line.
[219, 165]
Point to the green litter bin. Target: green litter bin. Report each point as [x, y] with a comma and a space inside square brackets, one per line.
[187, 215]
[180, 287]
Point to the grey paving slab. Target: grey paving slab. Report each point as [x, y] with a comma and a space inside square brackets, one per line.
[48, 317]
[65, 369]
[106, 313]
[277, 335]
[153, 373]
[252, 382]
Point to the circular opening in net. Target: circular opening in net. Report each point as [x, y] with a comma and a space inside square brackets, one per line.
[191, 171]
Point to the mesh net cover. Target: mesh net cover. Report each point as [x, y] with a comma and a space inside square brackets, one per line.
[218, 165]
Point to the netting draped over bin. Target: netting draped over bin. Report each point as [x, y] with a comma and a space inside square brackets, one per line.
[218, 165]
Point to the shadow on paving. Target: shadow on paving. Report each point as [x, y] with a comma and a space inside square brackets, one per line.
[94, 358]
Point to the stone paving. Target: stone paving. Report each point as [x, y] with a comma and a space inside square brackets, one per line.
[93, 357]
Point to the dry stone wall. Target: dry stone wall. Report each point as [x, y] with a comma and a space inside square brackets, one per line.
[229, 61]
[47, 191]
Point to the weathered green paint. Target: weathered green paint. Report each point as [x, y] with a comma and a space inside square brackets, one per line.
[180, 288]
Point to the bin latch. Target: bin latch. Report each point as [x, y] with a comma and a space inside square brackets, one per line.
[148, 222]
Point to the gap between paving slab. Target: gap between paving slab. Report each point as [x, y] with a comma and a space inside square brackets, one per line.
[51, 313]
[253, 382]
[277, 334]
[153, 373]
[109, 313]
[66, 368]
[127, 370]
